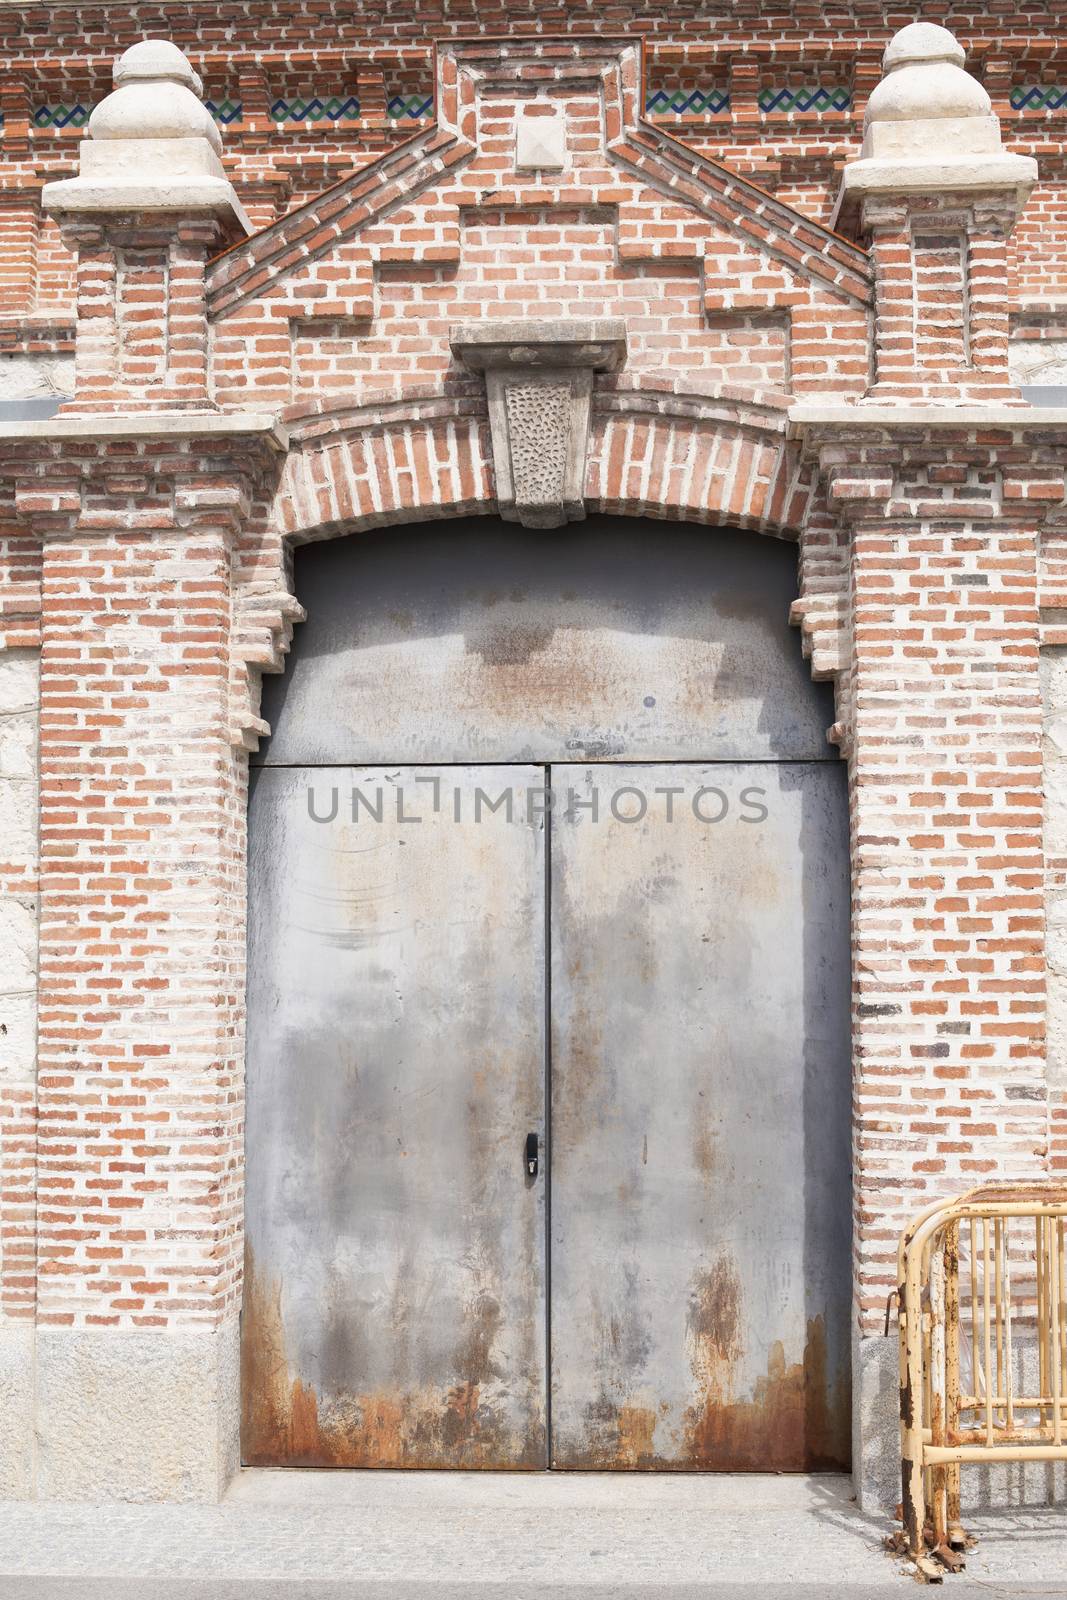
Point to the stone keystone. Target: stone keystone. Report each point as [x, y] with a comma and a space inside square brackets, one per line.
[539, 384]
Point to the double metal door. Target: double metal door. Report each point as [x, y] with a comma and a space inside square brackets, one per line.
[548, 1117]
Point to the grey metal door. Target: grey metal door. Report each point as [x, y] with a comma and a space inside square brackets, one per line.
[694, 1172]
[700, 1219]
[394, 1310]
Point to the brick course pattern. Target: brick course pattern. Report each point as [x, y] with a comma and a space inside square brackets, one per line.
[234, 396]
[141, 929]
[768, 60]
[717, 281]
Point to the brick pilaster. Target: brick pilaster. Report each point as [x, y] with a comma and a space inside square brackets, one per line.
[942, 297]
[945, 748]
[141, 332]
[141, 955]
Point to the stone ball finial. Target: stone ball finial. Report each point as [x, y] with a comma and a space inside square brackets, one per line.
[926, 94]
[922, 41]
[154, 59]
[930, 129]
[156, 96]
[924, 78]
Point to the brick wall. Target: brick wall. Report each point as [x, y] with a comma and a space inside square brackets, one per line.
[145, 536]
[795, 84]
[18, 976]
[19, 699]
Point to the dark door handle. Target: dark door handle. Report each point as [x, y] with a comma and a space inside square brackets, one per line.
[530, 1157]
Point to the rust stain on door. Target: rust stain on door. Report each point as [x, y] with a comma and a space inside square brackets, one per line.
[795, 1417]
[284, 1418]
[797, 1414]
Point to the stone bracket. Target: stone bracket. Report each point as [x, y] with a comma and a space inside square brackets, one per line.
[539, 386]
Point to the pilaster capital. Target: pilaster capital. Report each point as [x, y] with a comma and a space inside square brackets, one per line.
[95, 476]
[903, 465]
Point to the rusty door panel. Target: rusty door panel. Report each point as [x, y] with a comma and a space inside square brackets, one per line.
[394, 1308]
[478, 640]
[700, 1211]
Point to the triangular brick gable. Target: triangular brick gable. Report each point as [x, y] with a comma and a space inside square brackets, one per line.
[633, 217]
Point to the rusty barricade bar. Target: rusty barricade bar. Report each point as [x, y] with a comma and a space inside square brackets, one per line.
[983, 1350]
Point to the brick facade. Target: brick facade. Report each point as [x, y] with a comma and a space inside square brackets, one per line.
[781, 93]
[231, 395]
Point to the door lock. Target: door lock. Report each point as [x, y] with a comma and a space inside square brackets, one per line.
[530, 1157]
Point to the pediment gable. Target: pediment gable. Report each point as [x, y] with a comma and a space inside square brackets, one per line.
[539, 190]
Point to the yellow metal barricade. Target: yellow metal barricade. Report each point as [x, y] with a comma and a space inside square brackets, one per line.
[982, 1298]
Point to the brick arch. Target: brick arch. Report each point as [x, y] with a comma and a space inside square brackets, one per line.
[700, 458]
[653, 452]
[703, 458]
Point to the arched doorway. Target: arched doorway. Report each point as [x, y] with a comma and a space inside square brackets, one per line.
[548, 1065]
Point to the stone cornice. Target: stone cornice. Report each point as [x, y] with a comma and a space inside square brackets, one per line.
[166, 425]
[807, 417]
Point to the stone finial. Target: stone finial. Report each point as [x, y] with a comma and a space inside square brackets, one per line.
[153, 146]
[926, 95]
[930, 128]
[156, 96]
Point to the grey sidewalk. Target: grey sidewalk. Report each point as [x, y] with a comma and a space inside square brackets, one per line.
[756, 1588]
[425, 1536]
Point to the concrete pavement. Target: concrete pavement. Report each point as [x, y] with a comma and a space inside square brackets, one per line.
[472, 1536]
[288, 1588]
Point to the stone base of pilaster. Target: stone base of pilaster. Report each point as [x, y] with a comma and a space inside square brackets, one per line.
[876, 1439]
[137, 1415]
[875, 1422]
[16, 1409]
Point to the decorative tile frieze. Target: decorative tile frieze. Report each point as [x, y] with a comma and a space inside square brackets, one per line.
[409, 107]
[1038, 97]
[773, 100]
[226, 111]
[61, 115]
[711, 102]
[820, 97]
[311, 108]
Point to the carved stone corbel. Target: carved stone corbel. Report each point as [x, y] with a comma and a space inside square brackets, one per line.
[539, 385]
